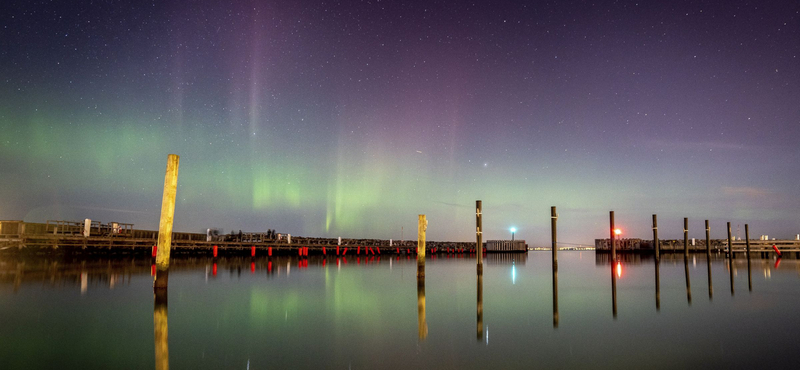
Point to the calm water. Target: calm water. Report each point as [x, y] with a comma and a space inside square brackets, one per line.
[277, 314]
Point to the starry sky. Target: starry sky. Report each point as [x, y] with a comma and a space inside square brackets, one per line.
[350, 118]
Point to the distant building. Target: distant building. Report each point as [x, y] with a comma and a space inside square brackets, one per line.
[506, 246]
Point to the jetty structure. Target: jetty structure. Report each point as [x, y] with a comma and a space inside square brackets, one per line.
[117, 237]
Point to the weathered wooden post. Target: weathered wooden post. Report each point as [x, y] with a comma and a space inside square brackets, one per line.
[553, 219]
[730, 251]
[161, 329]
[422, 226]
[655, 237]
[613, 246]
[686, 237]
[165, 225]
[747, 243]
[479, 236]
[708, 240]
[747, 238]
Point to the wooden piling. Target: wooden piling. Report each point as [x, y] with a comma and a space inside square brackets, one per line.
[747, 243]
[686, 237]
[165, 224]
[708, 240]
[479, 236]
[613, 247]
[422, 227]
[730, 251]
[553, 219]
[655, 237]
[747, 238]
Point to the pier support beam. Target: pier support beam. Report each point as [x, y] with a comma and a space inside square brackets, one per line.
[708, 240]
[479, 236]
[165, 225]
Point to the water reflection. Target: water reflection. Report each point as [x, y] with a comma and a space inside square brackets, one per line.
[658, 285]
[555, 295]
[480, 307]
[730, 268]
[749, 274]
[614, 266]
[421, 320]
[161, 329]
[688, 285]
[710, 285]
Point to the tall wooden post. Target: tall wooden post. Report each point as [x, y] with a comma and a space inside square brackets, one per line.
[553, 219]
[747, 243]
[655, 237]
[708, 240]
[422, 226]
[730, 251]
[479, 235]
[613, 243]
[686, 237]
[747, 238]
[165, 224]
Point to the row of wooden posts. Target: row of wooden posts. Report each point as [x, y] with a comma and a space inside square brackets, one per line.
[657, 244]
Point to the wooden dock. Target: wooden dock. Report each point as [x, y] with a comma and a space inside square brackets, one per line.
[68, 237]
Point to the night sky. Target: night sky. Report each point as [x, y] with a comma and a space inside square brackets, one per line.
[350, 118]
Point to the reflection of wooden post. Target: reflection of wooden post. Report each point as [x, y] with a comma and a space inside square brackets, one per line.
[555, 295]
[710, 285]
[553, 219]
[422, 226]
[655, 237]
[688, 286]
[658, 286]
[479, 235]
[161, 329]
[613, 288]
[422, 322]
[165, 225]
[480, 306]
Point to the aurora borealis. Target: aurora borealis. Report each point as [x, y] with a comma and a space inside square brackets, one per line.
[350, 118]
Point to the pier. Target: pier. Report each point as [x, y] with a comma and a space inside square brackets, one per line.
[69, 236]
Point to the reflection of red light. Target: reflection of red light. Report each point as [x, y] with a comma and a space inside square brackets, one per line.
[777, 262]
[619, 269]
[214, 269]
[153, 270]
[323, 263]
[269, 266]
[252, 267]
